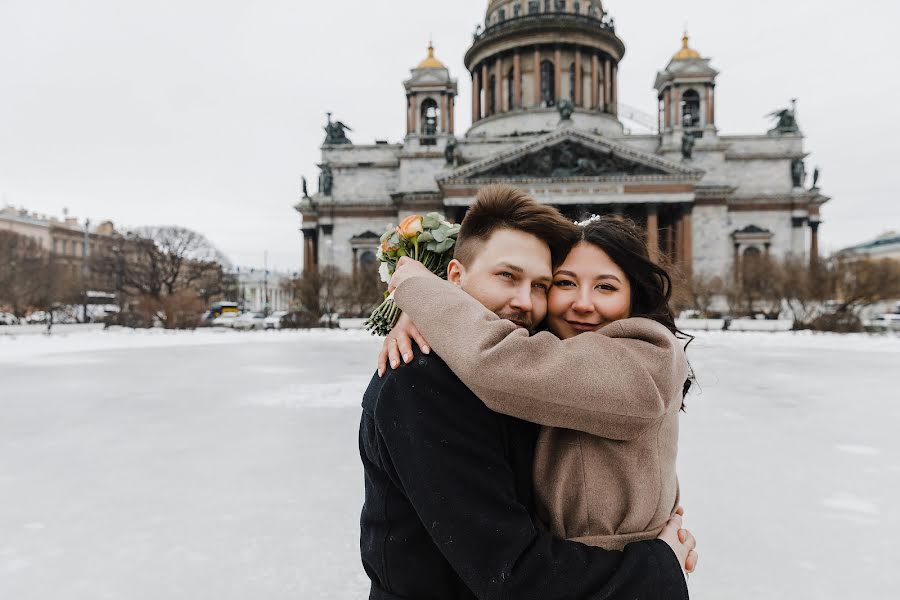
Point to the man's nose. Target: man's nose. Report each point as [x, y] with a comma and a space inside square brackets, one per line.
[522, 300]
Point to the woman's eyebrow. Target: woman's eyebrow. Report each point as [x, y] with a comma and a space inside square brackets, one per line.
[597, 278]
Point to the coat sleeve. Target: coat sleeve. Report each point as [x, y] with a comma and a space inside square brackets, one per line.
[446, 454]
[612, 383]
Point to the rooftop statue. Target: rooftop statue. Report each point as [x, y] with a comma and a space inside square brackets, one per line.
[565, 108]
[687, 145]
[334, 132]
[787, 120]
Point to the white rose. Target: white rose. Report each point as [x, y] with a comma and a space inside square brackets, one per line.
[384, 273]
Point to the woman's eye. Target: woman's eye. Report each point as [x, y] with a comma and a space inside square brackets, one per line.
[563, 283]
[606, 287]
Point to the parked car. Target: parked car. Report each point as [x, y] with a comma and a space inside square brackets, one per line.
[38, 316]
[273, 321]
[225, 320]
[249, 321]
[8, 319]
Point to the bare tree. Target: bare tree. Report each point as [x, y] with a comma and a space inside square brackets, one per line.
[804, 289]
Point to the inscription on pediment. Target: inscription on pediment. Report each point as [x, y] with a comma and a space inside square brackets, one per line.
[569, 159]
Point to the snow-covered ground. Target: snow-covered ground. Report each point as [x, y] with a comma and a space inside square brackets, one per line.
[221, 465]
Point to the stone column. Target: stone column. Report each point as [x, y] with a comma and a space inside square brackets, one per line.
[516, 100]
[614, 84]
[443, 113]
[409, 127]
[498, 74]
[709, 105]
[676, 107]
[476, 96]
[309, 250]
[687, 260]
[595, 80]
[737, 262]
[814, 242]
[451, 109]
[667, 107]
[485, 82]
[607, 83]
[415, 115]
[712, 105]
[578, 85]
[557, 59]
[653, 232]
[355, 262]
[537, 76]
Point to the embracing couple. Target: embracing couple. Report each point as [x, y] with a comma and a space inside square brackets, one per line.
[526, 448]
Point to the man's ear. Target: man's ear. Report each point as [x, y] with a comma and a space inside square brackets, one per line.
[455, 272]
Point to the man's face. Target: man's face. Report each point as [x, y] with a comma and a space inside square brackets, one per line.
[510, 276]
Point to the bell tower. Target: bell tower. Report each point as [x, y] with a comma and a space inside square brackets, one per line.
[430, 101]
[686, 92]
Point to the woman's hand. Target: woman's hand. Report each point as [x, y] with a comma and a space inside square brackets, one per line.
[406, 268]
[398, 343]
[681, 541]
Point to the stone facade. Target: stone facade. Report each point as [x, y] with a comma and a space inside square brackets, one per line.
[705, 199]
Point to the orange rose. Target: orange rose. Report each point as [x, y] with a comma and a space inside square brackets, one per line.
[410, 227]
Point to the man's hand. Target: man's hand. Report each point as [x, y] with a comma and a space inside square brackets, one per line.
[398, 343]
[406, 268]
[681, 541]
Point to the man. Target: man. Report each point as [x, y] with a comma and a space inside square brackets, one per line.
[449, 483]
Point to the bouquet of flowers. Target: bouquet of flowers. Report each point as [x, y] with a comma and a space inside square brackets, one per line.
[429, 240]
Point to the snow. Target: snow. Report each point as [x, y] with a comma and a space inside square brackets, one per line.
[218, 464]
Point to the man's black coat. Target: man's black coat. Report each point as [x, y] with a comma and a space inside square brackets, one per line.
[448, 501]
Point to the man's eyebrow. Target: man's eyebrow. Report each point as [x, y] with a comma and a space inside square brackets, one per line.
[597, 278]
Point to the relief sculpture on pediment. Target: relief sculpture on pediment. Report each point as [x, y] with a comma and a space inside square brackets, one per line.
[568, 159]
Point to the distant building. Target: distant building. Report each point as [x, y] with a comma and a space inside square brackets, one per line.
[886, 245]
[65, 239]
[547, 119]
[262, 289]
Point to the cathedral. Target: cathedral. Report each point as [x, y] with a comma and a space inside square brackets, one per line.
[546, 118]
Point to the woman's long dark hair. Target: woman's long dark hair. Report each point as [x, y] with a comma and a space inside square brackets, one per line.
[651, 284]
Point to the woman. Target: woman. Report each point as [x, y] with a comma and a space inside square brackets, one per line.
[604, 470]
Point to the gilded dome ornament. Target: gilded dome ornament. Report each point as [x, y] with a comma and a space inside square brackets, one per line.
[430, 61]
[686, 52]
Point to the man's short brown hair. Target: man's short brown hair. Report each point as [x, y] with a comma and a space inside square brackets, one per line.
[505, 207]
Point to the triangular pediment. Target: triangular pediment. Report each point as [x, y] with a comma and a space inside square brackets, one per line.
[570, 154]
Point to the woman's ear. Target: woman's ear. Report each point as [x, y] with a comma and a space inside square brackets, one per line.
[455, 272]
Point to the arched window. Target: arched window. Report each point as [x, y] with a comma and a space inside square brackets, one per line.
[501, 15]
[548, 85]
[430, 114]
[548, 5]
[690, 109]
[576, 7]
[367, 259]
[517, 9]
[492, 95]
[534, 7]
[510, 89]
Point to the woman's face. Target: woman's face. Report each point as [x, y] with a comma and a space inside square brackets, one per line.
[589, 291]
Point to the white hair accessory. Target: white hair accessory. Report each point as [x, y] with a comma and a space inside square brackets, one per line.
[589, 220]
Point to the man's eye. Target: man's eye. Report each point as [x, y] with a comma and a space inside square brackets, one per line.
[506, 274]
[542, 286]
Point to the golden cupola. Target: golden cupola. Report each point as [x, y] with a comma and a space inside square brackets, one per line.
[686, 52]
[430, 62]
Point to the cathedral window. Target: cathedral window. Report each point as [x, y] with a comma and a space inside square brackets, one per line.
[690, 109]
[501, 15]
[560, 5]
[430, 115]
[548, 85]
[517, 9]
[534, 7]
[548, 5]
[510, 89]
[576, 7]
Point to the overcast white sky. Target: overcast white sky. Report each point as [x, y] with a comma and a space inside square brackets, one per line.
[205, 113]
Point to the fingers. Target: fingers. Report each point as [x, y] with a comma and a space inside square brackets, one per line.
[420, 341]
[691, 563]
[393, 352]
[676, 521]
[687, 538]
[404, 348]
[383, 358]
[679, 510]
